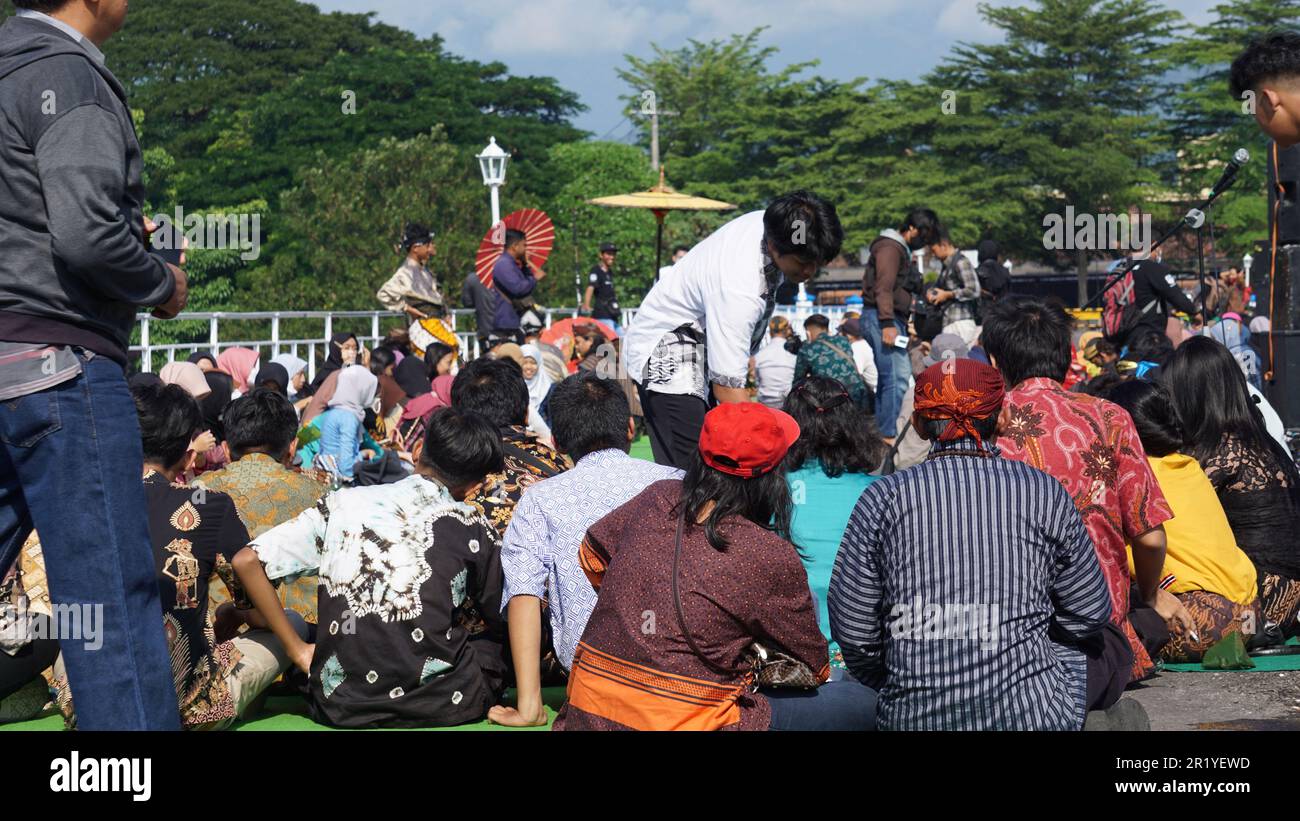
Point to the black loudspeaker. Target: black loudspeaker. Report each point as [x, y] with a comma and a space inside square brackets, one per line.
[1286, 175]
[1284, 290]
[1283, 391]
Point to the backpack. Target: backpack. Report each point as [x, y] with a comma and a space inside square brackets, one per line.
[910, 280]
[1119, 313]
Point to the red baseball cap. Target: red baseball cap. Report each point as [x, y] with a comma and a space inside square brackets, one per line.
[746, 439]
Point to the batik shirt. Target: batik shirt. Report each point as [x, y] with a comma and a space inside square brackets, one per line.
[528, 462]
[701, 325]
[832, 357]
[194, 534]
[399, 566]
[267, 494]
[1091, 447]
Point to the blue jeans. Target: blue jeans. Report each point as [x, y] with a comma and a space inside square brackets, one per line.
[892, 369]
[846, 704]
[612, 324]
[70, 466]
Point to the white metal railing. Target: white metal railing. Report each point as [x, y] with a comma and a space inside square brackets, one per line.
[309, 348]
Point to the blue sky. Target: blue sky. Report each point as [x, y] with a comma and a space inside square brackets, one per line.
[582, 42]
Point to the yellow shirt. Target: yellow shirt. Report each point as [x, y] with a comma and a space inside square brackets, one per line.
[1202, 553]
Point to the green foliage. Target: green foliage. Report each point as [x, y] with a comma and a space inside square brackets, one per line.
[589, 170]
[335, 236]
[1209, 125]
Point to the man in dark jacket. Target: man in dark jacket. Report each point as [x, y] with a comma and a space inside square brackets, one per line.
[887, 304]
[1157, 295]
[74, 267]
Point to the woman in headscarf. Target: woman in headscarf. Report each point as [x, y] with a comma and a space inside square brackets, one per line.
[412, 376]
[241, 364]
[539, 388]
[297, 370]
[343, 437]
[275, 377]
[188, 375]
[205, 361]
[343, 350]
[410, 428]
[213, 405]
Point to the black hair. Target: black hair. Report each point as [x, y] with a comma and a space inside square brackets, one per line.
[1269, 58]
[1149, 345]
[415, 234]
[1154, 415]
[806, 216]
[494, 388]
[817, 321]
[1103, 383]
[988, 249]
[1029, 337]
[43, 6]
[513, 236]
[261, 421]
[925, 221]
[380, 358]
[169, 418]
[461, 447]
[433, 355]
[1212, 400]
[940, 235]
[685, 248]
[589, 414]
[764, 500]
[832, 429]
[987, 427]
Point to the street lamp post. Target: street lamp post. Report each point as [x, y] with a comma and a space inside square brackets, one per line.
[1246, 262]
[492, 162]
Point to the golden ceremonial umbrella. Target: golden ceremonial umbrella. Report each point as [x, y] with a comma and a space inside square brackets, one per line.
[660, 200]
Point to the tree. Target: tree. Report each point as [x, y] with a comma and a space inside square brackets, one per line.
[588, 170]
[1209, 125]
[1071, 93]
[355, 100]
[334, 238]
[741, 132]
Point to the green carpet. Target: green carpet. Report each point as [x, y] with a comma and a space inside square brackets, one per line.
[289, 714]
[641, 449]
[1263, 664]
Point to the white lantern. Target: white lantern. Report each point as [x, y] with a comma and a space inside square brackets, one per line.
[492, 162]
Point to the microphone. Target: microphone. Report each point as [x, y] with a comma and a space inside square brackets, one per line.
[1239, 158]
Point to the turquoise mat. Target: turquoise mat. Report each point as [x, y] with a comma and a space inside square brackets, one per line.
[1263, 664]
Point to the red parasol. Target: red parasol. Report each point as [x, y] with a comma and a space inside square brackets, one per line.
[534, 223]
[560, 334]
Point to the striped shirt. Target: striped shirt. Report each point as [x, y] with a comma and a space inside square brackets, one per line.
[946, 584]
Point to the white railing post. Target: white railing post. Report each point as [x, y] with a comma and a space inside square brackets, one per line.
[146, 354]
[214, 335]
[374, 329]
[275, 334]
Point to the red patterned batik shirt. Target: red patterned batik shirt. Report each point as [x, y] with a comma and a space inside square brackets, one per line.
[1090, 446]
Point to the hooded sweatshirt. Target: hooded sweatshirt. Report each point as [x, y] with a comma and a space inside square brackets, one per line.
[73, 261]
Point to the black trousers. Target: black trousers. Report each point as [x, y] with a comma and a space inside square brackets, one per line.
[674, 422]
[20, 668]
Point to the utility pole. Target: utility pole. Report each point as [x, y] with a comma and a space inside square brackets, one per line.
[650, 108]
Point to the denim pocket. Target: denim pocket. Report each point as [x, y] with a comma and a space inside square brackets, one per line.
[29, 419]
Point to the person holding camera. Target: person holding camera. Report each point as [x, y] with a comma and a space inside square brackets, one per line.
[888, 286]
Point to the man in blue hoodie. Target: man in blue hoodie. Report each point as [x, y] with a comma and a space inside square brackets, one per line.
[74, 268]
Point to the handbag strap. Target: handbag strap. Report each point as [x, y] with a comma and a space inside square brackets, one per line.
[677, 602]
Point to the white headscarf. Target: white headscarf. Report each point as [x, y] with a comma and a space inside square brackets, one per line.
[540, 384]
[290, 363]
[355, 390]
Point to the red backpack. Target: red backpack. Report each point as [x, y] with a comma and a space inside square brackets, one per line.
[1119, 313]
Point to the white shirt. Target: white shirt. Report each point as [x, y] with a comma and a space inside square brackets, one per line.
[774, 372]
[866, 361]
[718, 288]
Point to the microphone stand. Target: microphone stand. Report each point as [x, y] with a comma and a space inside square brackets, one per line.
[1196, 219]
[1189, 219]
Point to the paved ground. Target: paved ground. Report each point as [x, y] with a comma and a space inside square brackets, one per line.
[1221, 701]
